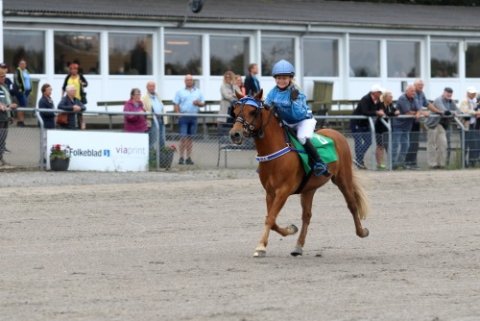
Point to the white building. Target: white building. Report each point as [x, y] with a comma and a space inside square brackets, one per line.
[122, 44]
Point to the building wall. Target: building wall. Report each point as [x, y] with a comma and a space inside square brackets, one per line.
[349, 42]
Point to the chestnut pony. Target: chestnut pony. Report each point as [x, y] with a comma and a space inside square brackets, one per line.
[282, 176]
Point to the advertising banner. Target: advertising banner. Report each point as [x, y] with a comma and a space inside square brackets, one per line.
[100, 151]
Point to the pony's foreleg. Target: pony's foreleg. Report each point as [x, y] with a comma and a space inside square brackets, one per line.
[274, 205]
[306, 201]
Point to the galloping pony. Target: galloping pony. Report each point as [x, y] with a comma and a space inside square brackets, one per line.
[282, 176]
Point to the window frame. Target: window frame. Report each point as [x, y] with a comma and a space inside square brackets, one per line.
[11, 67]
[273, 36]
[338, 55]
[379, 41]
[136, 32]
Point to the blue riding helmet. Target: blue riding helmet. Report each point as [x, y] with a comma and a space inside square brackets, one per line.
[283, 67]
[247, 100]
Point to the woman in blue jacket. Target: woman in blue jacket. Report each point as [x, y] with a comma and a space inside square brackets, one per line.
[291, 106]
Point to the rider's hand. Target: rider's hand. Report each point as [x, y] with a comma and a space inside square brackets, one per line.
[294, 93]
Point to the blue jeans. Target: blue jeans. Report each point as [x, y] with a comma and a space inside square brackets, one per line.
[22, 98]
[156, 136]
[400, 144]
[362, 139]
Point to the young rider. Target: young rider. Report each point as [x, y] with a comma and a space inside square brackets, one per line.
[292, 108]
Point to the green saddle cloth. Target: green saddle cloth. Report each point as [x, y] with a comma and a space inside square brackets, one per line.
[325, 148]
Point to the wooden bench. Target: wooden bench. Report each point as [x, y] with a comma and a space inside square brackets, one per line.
[117, 105]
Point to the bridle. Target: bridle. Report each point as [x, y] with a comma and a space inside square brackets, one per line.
[250, 129]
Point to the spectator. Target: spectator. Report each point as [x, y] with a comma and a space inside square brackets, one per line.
[227, 92]
[8, 81]
[420, 101]
[70, 103]
[292, 107]
[437, 124]
[367, 106]
[135, 123]
[5, 105]
[22, 88]
[252, 85]
[239, 84]
[401, 127]
[78, 80]
[472, 138]
[46, 102]
[187, 100]
[386, 104]
[152, 103]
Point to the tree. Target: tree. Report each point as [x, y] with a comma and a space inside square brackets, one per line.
[468, 3]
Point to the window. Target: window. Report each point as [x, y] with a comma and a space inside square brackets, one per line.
[183, 55]
[320, 57]
[472, 60]
[79, 47]
[403, 59]
[229, 53]
[444, 59]
[364, 58]
[130, 54]
[28, 45]
[274, 49]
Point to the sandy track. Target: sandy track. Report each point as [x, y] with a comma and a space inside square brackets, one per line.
[178, 246]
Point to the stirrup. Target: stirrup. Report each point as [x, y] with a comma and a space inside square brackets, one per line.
[320, 168]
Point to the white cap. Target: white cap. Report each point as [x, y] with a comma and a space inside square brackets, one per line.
[471, 90]
[376, 88]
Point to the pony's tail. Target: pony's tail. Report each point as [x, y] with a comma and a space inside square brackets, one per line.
[360, 196]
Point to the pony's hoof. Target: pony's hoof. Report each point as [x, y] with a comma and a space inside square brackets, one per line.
[260, 253]
[297, 251]
[365, 233]
[292, 229]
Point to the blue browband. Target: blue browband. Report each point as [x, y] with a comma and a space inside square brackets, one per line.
[247, 100]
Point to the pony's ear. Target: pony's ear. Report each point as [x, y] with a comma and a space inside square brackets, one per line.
[259, 95]
[239, 94]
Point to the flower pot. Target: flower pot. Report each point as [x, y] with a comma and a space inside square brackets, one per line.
[59, 164]
[166, 159]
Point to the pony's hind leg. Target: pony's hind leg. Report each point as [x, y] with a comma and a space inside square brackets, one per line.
[356, 200]
[306, 201]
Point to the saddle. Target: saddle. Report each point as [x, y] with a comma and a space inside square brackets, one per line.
[324, 145]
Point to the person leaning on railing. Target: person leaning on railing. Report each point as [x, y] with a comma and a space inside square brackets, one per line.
[367, 106]
[437, 124]
[401, 127]
[5, 105]
[470, 107]
[72, 105]
[46, 102]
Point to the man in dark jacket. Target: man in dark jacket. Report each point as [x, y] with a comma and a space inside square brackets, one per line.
[72, 105]
[252, 85]
[367, 106]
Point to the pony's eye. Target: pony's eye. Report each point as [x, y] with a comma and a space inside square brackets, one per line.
[252, 113]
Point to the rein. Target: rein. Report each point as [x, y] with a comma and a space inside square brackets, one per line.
[250, 128]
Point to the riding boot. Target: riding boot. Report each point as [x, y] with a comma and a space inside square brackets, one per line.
[319, 167]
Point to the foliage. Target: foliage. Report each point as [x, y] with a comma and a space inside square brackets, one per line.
[166, 149]
[60, 151]
[468, 3]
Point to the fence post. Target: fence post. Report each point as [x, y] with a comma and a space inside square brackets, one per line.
[157, 142]
[43, 147]
[389, 149]
[374, 141]
[462, 140]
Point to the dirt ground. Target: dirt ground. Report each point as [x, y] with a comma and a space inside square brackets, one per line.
[178, 246]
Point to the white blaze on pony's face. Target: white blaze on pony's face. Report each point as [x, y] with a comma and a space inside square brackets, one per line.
[247, 120]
